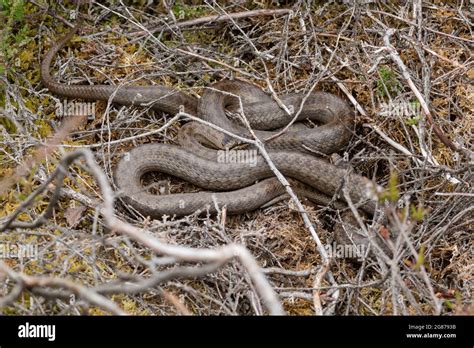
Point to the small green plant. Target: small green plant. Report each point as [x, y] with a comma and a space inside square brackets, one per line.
[388, 83]
[420, 258]
[415, 105]
[183, 12]
[413, 121]
[14, 9]
[417, 213]
[391, 193]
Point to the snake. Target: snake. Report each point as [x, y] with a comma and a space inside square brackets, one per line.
[239, 187]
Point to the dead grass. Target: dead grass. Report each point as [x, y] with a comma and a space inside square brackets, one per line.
[344, 38]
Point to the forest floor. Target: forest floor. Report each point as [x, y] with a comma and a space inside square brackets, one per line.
[405, 69]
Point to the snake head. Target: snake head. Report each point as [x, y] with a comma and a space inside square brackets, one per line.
[228, 141]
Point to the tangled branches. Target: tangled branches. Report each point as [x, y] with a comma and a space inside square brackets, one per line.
[96, 255]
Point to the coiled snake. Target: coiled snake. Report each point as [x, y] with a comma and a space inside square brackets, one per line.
[235, 183]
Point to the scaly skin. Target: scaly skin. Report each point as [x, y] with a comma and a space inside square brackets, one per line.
[321, 179]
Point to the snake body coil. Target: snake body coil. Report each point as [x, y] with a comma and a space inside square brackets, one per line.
[316, 179]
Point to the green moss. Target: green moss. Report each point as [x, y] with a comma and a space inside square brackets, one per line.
[44, 129]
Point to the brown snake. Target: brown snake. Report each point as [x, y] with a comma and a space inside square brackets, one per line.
[310, 176]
